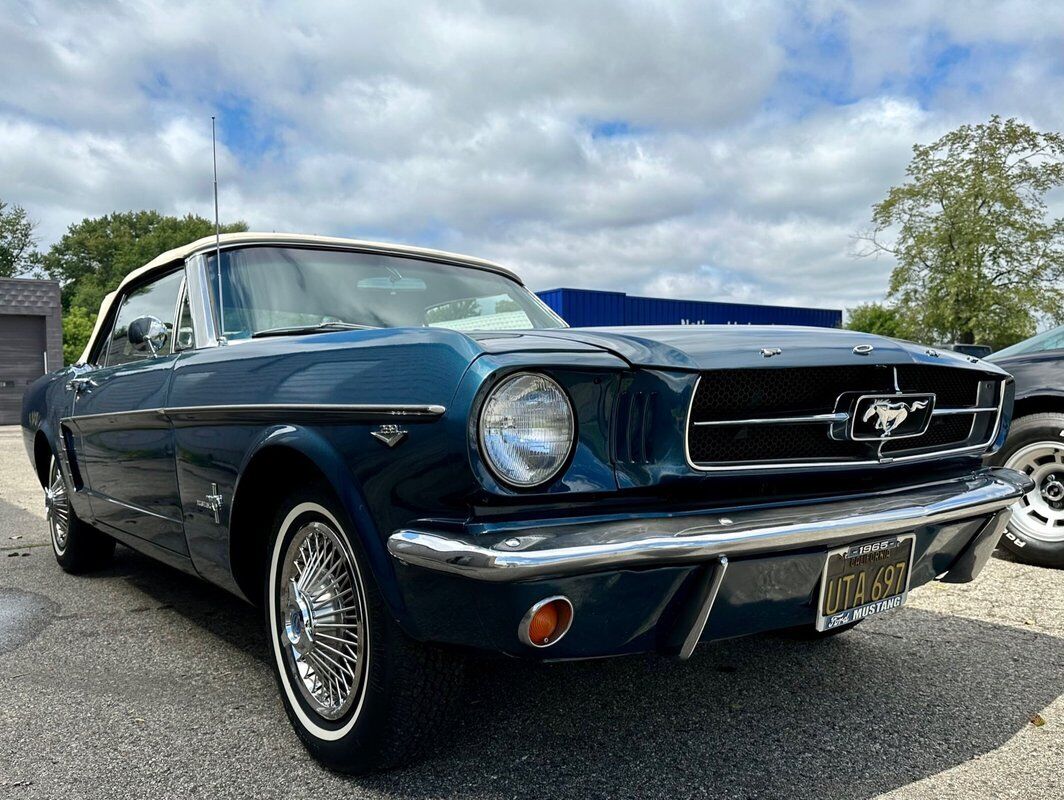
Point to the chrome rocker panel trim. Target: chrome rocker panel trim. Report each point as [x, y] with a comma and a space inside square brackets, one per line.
[547, 550]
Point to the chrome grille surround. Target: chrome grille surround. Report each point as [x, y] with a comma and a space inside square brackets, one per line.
[942, 438]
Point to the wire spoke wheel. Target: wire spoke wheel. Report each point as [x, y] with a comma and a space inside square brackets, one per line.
[1039, 514]
[57, 508]
[321, 620]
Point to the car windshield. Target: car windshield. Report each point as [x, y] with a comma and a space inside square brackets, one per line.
[287, 290]
[1049, 340]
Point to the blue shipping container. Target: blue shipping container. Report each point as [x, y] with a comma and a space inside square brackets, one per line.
[583, 308]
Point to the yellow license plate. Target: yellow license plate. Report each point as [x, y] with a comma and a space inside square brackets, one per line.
[864, 579]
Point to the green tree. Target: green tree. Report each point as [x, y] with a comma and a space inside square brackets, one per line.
[94, 255]
[77, 328]
[880, 319]
[18, 244]
[979, 259]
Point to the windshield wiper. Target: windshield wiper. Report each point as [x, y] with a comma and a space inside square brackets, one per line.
[294, 330]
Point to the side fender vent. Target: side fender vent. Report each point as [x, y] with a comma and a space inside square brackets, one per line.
[71, 459]
[635, 418]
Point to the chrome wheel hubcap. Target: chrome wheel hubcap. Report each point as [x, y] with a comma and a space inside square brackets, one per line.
[1039, 514]
[57, 508]
[322, 618]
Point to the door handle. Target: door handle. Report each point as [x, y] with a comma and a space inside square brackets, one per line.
[78, 385]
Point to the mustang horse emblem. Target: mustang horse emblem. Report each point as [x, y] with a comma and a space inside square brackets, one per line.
[890, 414]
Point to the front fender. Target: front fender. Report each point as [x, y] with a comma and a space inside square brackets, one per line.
[315, 447]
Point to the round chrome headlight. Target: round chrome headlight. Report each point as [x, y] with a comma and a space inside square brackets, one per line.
[526, 429]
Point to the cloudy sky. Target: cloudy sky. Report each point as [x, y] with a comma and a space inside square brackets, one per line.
[699, 149]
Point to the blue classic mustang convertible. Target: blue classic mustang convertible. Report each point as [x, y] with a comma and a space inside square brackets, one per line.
[403, 455]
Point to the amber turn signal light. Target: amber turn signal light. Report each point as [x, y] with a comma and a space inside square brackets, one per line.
[546, 622]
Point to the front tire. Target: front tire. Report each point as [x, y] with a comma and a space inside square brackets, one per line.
[78, 547]
[1035, 532]
[361, 695]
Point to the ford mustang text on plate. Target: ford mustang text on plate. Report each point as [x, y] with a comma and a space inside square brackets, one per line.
[403, 455]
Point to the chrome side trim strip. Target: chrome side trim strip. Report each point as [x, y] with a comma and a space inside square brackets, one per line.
[321, 412]
[546, 551]
[709, 597]
[947, 411]
[131, 507]
[842, 416]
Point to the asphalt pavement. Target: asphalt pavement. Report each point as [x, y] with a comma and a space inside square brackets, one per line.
[143, 682]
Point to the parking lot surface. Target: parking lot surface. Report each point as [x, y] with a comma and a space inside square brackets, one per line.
[143, 682]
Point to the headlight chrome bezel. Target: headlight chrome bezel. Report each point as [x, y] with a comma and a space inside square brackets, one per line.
[496, 470]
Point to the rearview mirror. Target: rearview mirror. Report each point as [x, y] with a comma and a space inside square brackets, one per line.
[393, 284]
[147, 334]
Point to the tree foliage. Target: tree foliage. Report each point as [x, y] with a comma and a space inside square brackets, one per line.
[18, 243]
[880, 319]
[979, 259]
[77, 328]
[95, 254]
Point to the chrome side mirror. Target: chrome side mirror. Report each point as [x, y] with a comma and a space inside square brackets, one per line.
[147, 334]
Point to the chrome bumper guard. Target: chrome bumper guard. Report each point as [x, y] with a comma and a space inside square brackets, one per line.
[554, 549]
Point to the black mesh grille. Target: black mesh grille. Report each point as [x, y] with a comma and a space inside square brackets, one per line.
[942, 431]
[747, 393]
[804, 442]
[744, 394]
[953, 388]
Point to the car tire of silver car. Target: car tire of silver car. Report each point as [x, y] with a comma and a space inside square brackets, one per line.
[1035, 533]
[78, 547]
[361, 694]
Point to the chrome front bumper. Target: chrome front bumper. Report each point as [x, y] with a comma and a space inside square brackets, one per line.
[550, 549]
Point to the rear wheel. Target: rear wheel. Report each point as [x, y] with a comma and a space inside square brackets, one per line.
[78, 547]
[1035, 531]
[360, 694]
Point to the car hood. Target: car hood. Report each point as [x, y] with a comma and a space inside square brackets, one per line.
[706, 347]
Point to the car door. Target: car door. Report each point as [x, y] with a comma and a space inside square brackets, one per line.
[125, 443]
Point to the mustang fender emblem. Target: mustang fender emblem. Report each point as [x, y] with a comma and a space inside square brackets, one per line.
[890, 414]
[212, 502]
[391, 435]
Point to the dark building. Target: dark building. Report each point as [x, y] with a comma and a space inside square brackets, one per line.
[583, 308]
[31, 339]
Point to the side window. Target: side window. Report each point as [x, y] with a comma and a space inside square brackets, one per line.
[157, 299]
[184, 337]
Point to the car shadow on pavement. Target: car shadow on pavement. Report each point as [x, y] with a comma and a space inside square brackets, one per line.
[900, 698]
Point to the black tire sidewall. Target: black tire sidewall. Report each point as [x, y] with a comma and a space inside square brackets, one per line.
[87, 549]
[1027, 431]
[357, 748]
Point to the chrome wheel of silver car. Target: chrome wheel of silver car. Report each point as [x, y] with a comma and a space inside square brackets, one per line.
[1039, 514]
[57, 508]
[321, 612]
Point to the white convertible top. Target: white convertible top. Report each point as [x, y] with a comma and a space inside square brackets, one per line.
[206, 244]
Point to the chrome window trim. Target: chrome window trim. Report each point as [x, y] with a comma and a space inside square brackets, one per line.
[181, 293]
[397, 251]
[750, 466]
[199, 293]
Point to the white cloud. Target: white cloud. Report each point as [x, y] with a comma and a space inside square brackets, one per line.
[754, 137]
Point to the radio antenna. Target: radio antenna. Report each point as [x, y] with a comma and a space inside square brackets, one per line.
[217, 236]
